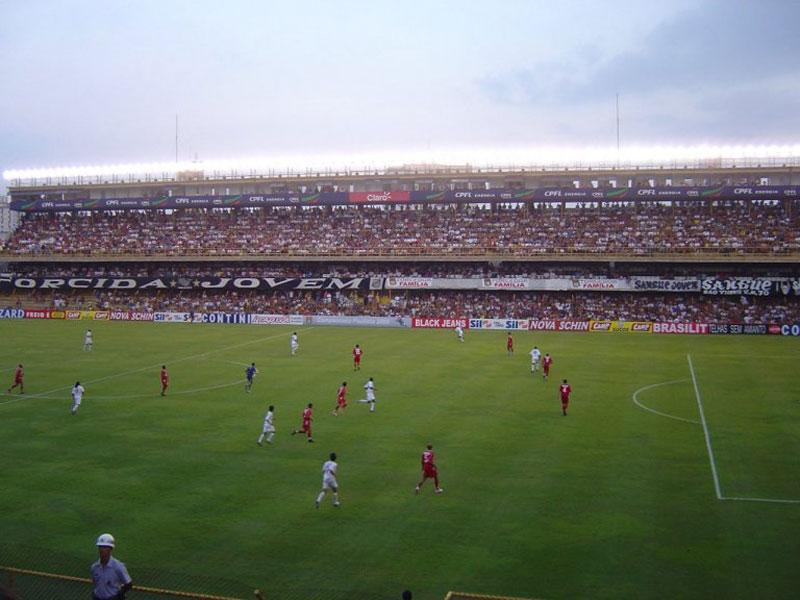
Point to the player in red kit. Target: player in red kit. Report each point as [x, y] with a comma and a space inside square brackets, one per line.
[357, 352]
[164, 380]
[341, 401]
[306, 428]
[564, 390]
[510, 345]
[18, 376]
[546, 362]
[429, 470]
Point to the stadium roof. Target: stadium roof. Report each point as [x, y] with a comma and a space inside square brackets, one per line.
[543, 158]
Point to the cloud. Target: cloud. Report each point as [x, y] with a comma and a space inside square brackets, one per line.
[712, 45]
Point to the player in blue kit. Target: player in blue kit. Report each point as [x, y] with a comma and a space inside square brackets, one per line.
[250, 372]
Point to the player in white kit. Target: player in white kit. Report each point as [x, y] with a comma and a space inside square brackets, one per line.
[459, 333]
[268, 428]
[77, 397]
[370, 399]
[535, 354]
[329, 480]
[294, 343]
[87, 341]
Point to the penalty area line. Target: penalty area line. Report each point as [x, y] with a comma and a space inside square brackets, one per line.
[768, 500]
[711, 453]
[705, 431]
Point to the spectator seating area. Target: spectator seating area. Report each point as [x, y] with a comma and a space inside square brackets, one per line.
[369, 233]
[640, 229]
[540, 305]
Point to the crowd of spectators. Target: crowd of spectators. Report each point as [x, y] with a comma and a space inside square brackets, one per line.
[672, 307]
[637, 229]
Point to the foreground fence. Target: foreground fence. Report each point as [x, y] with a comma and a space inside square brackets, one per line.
[467, 596]
[26, 584]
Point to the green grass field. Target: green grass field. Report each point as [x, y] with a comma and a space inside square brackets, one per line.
[613, 501]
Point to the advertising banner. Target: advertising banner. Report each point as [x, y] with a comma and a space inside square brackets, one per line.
[439, 323]
[86, 315]
[219, 317]
[793, 329]
[600, 325]
[507, 283]
[37, 314]
[378, 197]
[171, 317]
[554, 325]
[549, 194]
[10, 282]
[361, 321]
[632, 326]
[601, 284]
[12, 313]
[738, 328]
[124, 315]
[751, 286]
[692, 328]
[277, 319]
[656, 284]
[738, 286]
[408, 283]
[505, 324]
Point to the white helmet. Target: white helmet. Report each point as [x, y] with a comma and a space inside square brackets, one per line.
[105, 539]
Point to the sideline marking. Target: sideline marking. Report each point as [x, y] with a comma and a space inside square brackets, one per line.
[154, 394]
[155, 366]
[654, 411]
[705, 430]
[711, 452]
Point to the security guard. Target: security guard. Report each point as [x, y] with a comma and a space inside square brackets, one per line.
[109, 576]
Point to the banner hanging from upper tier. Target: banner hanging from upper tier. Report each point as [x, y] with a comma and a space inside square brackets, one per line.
[502, 195]
[333, 284]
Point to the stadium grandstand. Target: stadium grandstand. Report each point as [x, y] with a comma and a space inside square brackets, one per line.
[711, 241]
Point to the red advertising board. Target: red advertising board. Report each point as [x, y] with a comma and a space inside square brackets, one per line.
[124, 315]
[37, 314]
[438, 323]
[552, 325]
[693, 328]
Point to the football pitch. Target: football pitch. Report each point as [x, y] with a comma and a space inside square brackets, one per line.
[676, 473]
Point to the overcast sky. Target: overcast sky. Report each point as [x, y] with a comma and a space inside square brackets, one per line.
[87, 82]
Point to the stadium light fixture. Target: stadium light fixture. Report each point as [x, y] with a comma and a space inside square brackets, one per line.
[505, 157]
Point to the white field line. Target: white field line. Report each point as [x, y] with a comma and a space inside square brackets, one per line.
[652, 410]
[154, 394]
[155, 366]
[711, 453]
[770, 500]
[705, 430]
